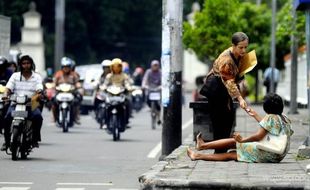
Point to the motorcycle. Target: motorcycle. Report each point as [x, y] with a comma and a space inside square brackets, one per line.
[137, 98]
[65, 100]
[2, 104]
[116, 111]
[101, 109]
[154, 96]
[49, 91]
[21, 137]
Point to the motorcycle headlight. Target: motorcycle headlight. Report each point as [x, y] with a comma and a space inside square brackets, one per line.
[21, 99]
[137, 92]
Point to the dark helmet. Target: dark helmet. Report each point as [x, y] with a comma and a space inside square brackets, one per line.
[3, 61]
[28, 58]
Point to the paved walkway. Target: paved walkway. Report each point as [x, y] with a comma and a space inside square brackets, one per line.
[177, 171]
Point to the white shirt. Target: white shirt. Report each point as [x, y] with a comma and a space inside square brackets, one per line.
[20, 86]
[276, 74]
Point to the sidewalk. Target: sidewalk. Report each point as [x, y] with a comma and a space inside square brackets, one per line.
[177, 171]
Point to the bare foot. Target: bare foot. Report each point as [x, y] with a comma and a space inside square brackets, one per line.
[199, 142]
[191, 154]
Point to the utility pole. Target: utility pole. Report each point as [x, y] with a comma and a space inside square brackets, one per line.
[273, 45]
[59, 32]
[171, 60]
[294, 67]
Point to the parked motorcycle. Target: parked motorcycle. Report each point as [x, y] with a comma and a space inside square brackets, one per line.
[154, 96]
[65, 99]
[137, 98]
[21, 138]
[116, 111]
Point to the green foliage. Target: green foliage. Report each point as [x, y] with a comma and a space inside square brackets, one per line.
[285, 30]
[212, 31]
[97, 29]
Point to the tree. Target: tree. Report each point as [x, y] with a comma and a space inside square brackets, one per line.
[212, 31]
[285, 30]
[97, 29]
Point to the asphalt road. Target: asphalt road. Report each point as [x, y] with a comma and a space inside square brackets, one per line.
[86, 158]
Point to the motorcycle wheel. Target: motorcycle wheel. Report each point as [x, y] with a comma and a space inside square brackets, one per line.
[153, 115]
[64, 121]
[101, 117]
[15, 145]
[114, 124]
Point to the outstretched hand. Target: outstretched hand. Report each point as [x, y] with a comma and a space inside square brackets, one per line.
[237, 137]
[250, 111]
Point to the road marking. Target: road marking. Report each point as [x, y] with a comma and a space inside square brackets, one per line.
[70, 189]
[15, 183]
[123, 189]
[155, 151]
[14, 188]
[86, 184]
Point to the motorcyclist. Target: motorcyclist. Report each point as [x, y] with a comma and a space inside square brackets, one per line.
[138, 76]
[26, 82]
[106, 69]
[152, 80]
[80, 90]
[5, 75]
[66, 75]
[118, 78]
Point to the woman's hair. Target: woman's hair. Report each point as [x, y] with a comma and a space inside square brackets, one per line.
[273, 104]
[238, 37]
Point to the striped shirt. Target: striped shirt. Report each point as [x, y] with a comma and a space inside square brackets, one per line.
[22, 86]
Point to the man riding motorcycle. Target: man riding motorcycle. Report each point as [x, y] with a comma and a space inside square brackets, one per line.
[26, 82]
[66, 75]
[152, 80]
[118, 78]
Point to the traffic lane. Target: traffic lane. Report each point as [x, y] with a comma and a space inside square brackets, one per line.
[86, 150]
[87, 154]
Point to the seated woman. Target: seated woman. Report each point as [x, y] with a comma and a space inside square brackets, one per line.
[246, 151]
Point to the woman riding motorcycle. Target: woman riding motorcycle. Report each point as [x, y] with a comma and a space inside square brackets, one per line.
[118, 78]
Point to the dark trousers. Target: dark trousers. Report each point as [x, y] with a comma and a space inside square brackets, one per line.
[222, 118]
[36, 118]
[221, 109]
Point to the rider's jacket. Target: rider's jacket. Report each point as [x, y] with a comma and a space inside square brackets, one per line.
[121, 80]
[71, 78]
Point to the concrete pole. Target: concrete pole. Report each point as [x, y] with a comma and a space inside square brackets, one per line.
[294, 67]
[273, 44]
[308, 65]
[59, 32]
[172, 58]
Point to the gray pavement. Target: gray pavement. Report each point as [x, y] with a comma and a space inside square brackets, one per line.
[177, 171]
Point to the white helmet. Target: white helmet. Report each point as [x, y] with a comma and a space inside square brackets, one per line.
[66, 62]
[106, 63]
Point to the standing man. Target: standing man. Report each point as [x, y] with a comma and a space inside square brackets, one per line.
[267, 78]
